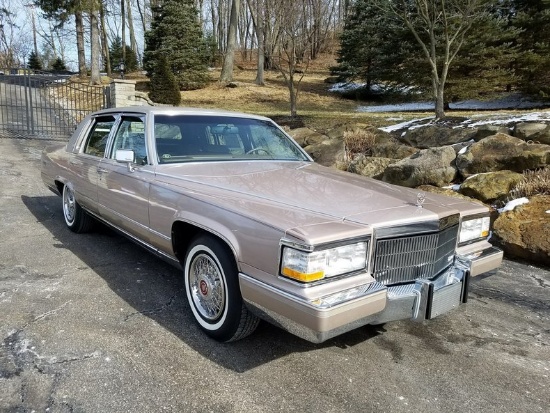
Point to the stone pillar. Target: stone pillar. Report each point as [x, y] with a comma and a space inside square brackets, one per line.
[123, 93]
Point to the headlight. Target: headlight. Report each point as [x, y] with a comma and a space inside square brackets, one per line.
[312, 266]
[472, 229]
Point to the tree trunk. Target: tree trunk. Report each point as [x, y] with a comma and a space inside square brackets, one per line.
[228, 61]
[133, 41]
[293, 95]
[104, 40]
[257, 13]
[79, 25]
[123, 28]
[95, 52]
[141, 16]
[440, 102]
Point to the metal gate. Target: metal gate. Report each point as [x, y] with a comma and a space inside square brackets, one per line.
[43, 105]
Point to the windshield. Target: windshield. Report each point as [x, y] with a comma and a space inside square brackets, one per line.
[185, 138]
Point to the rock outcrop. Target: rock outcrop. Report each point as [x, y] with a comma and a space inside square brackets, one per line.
[525, 231]
[433, 166]
[370, 166]
[502, 152]
[433, 135]
[491, 186]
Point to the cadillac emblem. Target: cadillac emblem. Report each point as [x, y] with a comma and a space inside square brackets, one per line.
[420, 198]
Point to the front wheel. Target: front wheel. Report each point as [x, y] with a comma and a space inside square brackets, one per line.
[212, 289]
[76, 218]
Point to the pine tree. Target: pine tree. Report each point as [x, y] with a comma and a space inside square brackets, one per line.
[115, 54]
[373, 47]
[176, 33]
[59, 65]
[485, 64]
[164, 87]
[532, 18]
[34, 62]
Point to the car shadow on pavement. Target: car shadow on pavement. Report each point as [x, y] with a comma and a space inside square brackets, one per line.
[155, 289]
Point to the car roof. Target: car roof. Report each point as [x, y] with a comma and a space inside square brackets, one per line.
[170, 110]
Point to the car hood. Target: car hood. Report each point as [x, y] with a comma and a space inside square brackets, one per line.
[296, 194]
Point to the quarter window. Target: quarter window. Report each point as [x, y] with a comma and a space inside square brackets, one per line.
[96, 141]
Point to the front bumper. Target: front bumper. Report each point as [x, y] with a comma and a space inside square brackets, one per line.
[372, 303]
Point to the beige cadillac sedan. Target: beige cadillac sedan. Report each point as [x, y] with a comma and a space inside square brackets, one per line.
[262, 232]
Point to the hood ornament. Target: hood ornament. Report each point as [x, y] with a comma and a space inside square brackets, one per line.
[420, 198]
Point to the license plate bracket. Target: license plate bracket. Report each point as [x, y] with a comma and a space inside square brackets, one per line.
[443, 300]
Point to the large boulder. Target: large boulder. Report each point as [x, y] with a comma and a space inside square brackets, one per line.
[524, 232]
[392, 149]
[328, 152]
[432, 166]
[306, 136]
[447, 192]
[484, 131]
[533, 131]
[434, 135]
[369, 166]
[502, 152]
[491, 186]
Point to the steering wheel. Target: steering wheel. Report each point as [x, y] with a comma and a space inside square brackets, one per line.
[257, 150]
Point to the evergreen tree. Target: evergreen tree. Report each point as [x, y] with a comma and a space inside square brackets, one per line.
[378, 49]
[176, 34]
[59, 65]
[373, 45]
[34, 61]
[115, 54]
[532, 18]
[485, 64]
[164, 87]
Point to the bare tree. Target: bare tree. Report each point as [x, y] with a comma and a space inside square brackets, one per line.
[440, 28]
[104, 40]
[79, 25]
[229, 57]
[94, 40]
[294, 40]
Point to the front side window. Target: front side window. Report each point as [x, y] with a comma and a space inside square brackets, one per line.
[187, 138]
[131, 136]
[96, 141]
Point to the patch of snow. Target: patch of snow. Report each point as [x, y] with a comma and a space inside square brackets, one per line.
[463, 150]
[514, 101]
[512, 204]
[345, 87]
[548, 212]
[454, 187]
[403, 125]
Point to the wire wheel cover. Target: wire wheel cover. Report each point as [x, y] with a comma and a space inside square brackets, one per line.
[207, 286]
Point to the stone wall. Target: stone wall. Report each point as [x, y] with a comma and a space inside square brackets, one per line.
[123, 93]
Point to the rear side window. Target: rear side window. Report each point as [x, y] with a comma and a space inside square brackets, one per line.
[96, 141]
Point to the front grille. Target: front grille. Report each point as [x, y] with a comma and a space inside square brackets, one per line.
[405, 259]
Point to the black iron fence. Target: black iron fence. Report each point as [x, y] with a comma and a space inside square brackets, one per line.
[45, 105]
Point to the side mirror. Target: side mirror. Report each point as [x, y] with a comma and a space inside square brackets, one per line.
[126, 156]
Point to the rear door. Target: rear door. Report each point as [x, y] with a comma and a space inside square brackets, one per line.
[85, 163]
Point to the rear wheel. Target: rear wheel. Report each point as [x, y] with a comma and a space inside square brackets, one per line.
[76, 218]
[212, 289]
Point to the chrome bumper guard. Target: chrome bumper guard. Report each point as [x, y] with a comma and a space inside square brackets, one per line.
[418, 301]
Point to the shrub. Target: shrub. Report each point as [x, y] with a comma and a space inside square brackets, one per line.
[358, 142]
[164, 87]
[533, 183]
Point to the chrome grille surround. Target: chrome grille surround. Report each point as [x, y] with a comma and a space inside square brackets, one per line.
[407, 253]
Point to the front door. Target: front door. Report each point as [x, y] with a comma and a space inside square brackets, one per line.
[123, 190]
